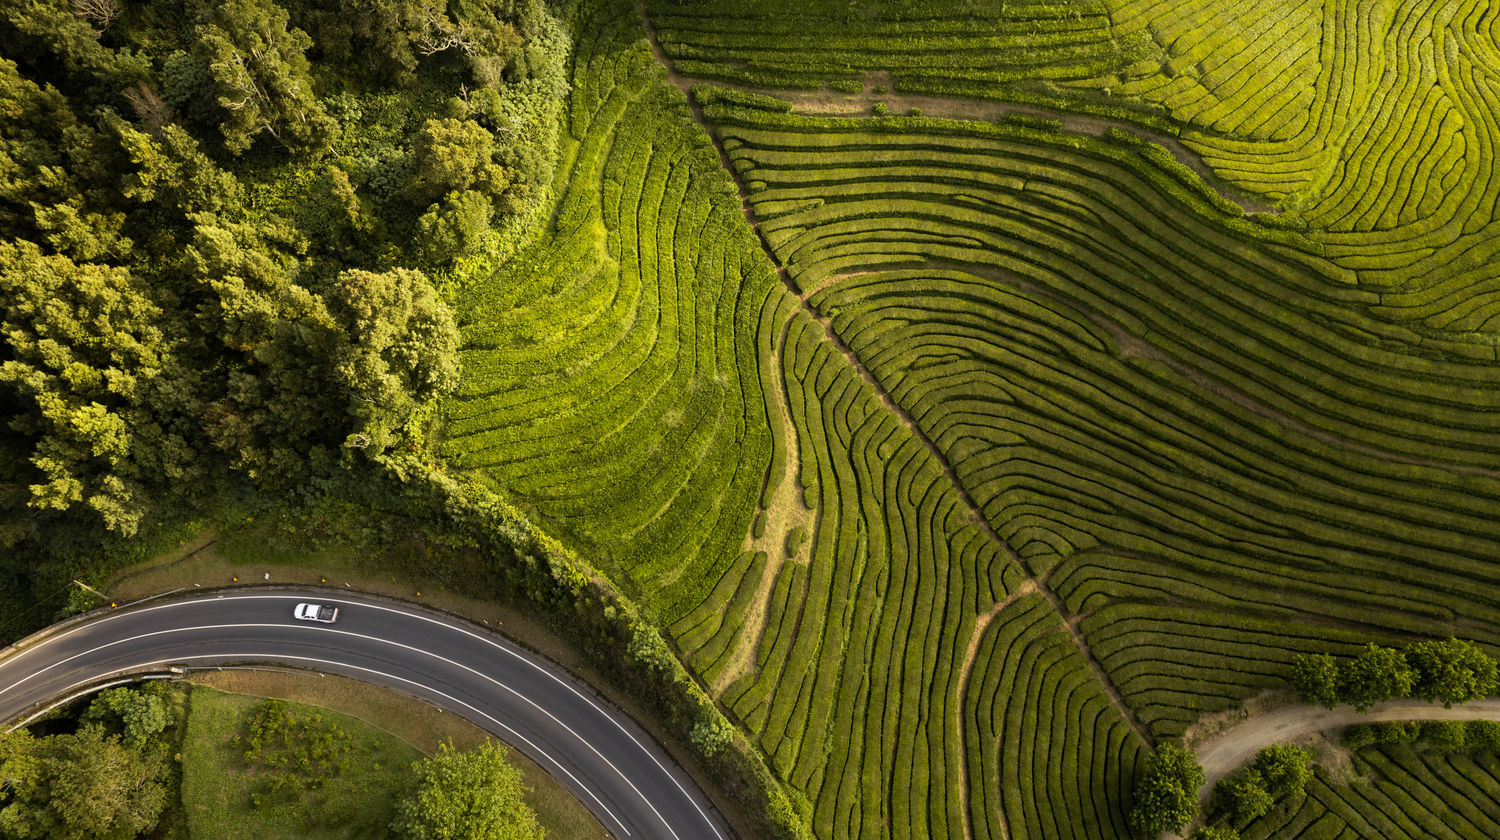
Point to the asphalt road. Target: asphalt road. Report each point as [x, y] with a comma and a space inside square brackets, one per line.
[603, 756]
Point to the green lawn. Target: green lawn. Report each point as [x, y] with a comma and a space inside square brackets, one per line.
[217, 786]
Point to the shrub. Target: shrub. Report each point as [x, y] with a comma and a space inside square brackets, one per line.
[1451, 671]
[1166, 795]
[1242, 797]
[1284, 769]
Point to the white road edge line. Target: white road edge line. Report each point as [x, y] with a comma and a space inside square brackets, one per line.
[295, 658]
[451, 626]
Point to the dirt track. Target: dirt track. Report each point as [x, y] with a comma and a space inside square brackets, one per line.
[1234, 745]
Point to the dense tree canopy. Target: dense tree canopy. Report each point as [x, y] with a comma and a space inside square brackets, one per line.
[1166, 794]
[222, 230]
[85, 786]
[470, 795]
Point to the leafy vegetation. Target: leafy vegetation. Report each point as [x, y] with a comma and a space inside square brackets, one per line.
[222, 226]
[113, 778]
[1397, 790]
[470, 795]
[992, 454]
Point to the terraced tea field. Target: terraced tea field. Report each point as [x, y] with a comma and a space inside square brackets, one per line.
[1403, 792]
[967, 454]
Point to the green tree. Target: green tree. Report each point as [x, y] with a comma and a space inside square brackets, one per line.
[471, 795]
[137, 715]
[1451, 671]
[1315, 676]
[1376, 675]
[1166, 794]
[454, 228]
[82, 786]
[451, 155]
[262, 75]
[386, 39]
[1215, 832]
[398, 348]
[1284, 769]
[1242, 797]
[82, 345]
[712, 733]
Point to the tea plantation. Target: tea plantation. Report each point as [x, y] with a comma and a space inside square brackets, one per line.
[982, 394]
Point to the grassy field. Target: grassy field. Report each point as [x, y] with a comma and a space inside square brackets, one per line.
[217, 786]
[417, 724]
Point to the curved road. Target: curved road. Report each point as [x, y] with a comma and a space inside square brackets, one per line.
[601, 755]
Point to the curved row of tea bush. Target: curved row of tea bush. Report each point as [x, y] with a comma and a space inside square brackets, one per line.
[610, 375]
[1376, 133]
[1047, 755]
[855, 683]
[1208, 417]
[1396, 792]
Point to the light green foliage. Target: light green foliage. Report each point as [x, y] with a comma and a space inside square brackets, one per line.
[398, 348]
[1166, 792]
[712, 734]
[137, 715]
[1315, 676]
[648, 648]
[471, 795]
[1451, 671]
[454, 229]
[1284, 769]
[452, 155]
[83, 345]
[1376, 675]
[1215, 832]
[82, 786]
[263, 78]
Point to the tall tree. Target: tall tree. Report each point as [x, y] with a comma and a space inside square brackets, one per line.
[471, 795]
[82, 346]
[1315, 676]
[1376, 675]
[82, 786]
[263, 76]
[1166, 795]
[1451, 671]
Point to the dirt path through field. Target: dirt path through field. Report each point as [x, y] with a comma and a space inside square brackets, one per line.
[1229, 749]
[832, 103]
[976, 514]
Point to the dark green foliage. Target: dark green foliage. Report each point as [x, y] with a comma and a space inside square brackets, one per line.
[1451, 671]
[1215, 832]
[1166, 793]
[470, 795]
[82, 786]
[210, 243]
[1242, 797]
[1315, 676]
[262, 77]
[1284, 769]
[1376, 675]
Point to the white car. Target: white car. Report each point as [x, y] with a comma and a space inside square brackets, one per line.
[316, 612]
